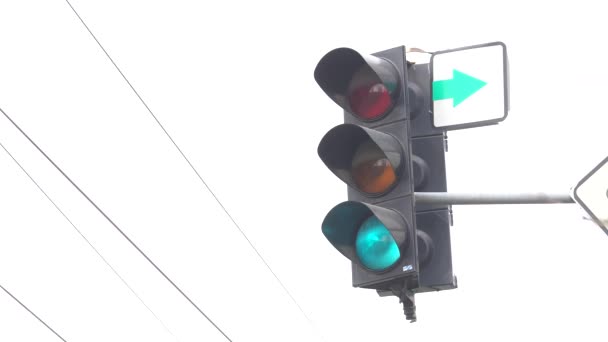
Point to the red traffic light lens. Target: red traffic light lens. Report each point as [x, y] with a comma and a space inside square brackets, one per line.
[370, 101]
[371, 170]
[366, 86]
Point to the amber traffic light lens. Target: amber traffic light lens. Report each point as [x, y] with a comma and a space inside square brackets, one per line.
[371, 170]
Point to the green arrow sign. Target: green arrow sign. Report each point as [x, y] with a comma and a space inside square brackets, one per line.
[458, 88]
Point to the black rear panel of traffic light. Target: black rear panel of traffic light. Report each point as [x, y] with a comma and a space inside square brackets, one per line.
[433, 221]
[433, 228]
[419, 77]
[429, 168]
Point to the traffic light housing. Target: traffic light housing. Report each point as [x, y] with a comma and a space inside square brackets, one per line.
[371, 153]
[386, 149]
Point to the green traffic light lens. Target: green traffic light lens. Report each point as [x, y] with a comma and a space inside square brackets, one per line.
[375, 246]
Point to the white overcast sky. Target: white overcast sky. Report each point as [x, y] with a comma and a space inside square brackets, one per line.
[232, 82]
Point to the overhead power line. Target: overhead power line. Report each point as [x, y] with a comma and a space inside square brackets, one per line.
[33, 314]
[116, 226]
[88, 242]
[194, 169]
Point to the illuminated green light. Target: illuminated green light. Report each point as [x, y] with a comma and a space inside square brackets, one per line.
[375, 246]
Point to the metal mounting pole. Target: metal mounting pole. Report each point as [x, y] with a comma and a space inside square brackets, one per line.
[481, 198]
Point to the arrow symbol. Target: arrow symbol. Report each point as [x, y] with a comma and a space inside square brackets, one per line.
[458, 88]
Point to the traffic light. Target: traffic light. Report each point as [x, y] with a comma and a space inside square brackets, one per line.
[385, 150]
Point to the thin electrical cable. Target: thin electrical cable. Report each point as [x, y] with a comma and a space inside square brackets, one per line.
[116, 227]
[33, 314]
[195, 171]
[89, 243]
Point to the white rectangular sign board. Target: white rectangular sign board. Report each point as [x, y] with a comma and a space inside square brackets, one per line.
[470, 86]
[591, 193]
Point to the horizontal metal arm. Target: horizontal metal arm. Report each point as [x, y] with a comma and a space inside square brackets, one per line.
[479, 198]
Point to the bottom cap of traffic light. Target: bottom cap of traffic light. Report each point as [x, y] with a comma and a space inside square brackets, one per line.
[370, 236]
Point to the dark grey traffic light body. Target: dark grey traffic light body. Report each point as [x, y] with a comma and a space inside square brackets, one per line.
[390, 129]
